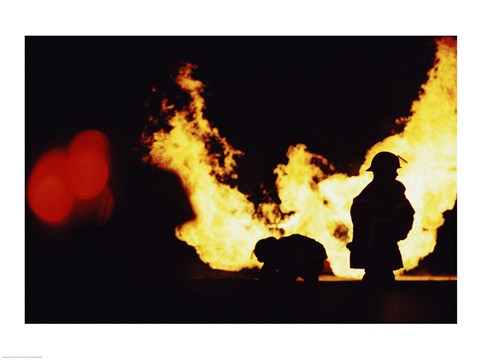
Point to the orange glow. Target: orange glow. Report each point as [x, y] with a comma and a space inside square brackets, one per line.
[97, 210]
[106, 201]
[228, 225]
[47, 191]
[87, 167]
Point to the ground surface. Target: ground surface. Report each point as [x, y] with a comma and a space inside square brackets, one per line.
[245, 300]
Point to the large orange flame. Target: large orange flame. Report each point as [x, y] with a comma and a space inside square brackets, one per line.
[227, 225]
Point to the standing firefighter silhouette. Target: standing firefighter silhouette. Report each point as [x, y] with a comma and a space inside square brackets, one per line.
[381, 216]
[290, 257]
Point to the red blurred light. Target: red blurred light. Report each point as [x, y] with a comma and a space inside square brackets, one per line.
[47, 191]
[87, 167]
[62, 179]
[90, 139]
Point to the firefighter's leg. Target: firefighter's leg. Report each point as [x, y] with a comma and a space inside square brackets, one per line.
[378, 275]
[288, 274]
[267, 273]
[312, 269]
[311, 277]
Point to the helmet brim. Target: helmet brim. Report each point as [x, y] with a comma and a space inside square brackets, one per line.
[372, 169]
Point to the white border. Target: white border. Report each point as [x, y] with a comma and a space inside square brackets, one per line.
[231, 18]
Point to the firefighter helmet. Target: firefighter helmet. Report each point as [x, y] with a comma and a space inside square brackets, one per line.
[384, 161]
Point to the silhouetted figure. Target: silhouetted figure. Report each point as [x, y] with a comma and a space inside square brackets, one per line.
[290, 257]
[381, 216]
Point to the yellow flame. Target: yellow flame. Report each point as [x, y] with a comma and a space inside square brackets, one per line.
[227, 225]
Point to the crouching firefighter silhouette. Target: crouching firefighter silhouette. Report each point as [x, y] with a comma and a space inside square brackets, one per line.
[290, 257]
[381, 216]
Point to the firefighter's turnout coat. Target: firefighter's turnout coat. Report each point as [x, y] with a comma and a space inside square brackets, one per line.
[381, 216]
